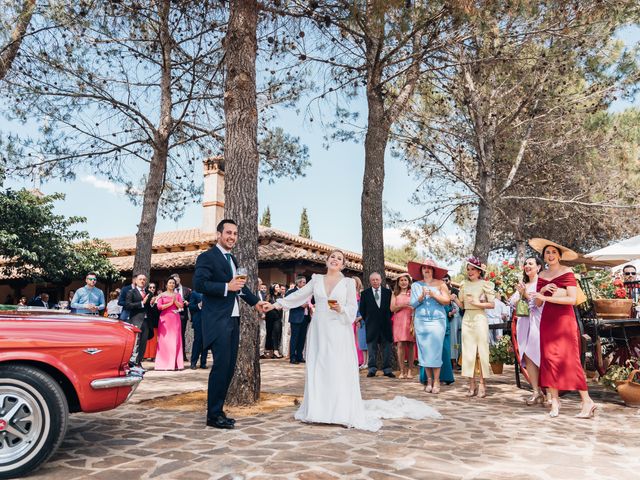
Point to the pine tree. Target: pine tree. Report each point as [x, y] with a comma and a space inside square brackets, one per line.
[265, 220]
[305, 231]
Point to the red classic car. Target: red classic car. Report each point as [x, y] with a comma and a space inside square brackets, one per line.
[53, 364]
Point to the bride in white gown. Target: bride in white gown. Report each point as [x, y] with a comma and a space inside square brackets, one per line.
[332, 383]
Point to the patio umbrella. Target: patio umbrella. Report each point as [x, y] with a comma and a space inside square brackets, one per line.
[625, 250]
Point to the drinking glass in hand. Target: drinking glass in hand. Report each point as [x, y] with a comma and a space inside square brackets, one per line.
[242, 274]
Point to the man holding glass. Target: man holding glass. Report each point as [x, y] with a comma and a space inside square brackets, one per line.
[221, 282]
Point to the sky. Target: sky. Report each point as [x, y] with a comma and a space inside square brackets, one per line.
[330, 189]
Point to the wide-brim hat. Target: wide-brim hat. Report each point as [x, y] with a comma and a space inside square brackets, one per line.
[415, 269]
[538, 245]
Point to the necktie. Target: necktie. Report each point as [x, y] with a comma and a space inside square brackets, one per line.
[376, 295]
[228, 255]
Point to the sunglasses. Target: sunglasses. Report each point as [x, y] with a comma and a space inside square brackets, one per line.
[629, 273]
[91, 279]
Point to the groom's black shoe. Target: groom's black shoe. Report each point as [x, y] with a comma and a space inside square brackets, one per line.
[371, 374]
[219, 422]
[390, 375]
[228, 419]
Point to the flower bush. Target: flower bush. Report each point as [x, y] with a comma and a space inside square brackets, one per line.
[604, 285]
[505, 277]
[502, 351]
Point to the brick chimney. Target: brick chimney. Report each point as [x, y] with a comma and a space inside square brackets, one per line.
[213, 199]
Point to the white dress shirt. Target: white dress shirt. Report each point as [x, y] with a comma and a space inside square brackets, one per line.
[379, 296]
[236, 306]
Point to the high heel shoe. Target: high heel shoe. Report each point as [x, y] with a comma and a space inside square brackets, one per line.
[471, 392]
[590, 414]
[428, 388]
[535, 398]
[482, 391]
[436, 389]
[555, 410]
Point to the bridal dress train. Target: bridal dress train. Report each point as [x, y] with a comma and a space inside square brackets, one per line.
[332, 382]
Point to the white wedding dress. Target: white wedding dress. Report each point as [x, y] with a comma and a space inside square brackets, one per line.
[332, 382]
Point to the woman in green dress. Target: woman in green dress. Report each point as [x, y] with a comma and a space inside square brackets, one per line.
[476, 295]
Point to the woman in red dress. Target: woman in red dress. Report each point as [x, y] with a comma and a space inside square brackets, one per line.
[560, 366]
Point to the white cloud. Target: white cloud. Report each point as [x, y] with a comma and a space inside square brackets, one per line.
[107, 185]
[393, 237]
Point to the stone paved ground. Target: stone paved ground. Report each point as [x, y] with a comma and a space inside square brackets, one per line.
[493, 438]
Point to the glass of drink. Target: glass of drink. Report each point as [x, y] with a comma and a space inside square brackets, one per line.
[332, 303]
[242, 274]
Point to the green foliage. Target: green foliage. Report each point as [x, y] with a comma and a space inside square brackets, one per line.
[619, 373]
[305, 231]
[38, 245]
[265, 221]
[400, 255]
[502, 351]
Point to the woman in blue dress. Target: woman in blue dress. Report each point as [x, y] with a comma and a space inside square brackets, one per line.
[429, 295]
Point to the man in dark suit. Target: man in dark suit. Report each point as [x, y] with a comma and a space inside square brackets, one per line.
[299, 319]
[215, 277]
[185, 292]
[375, 309]
[197, 350]
[137, 306]
[41, 300]
[122, 299]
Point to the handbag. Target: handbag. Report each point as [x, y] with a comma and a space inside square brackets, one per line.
[522, 308]
[581, 297]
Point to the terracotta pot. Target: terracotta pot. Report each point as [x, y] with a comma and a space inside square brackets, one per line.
[497, 368]
[629, 391]
[613, 307]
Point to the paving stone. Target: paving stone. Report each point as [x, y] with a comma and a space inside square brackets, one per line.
[493, 438]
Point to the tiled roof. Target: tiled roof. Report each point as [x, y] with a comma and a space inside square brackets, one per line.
[274, 245]
[175, 238]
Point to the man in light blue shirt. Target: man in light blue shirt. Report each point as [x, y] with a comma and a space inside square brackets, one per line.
[89, 299]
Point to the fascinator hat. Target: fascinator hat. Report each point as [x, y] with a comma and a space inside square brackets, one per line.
[476, 263]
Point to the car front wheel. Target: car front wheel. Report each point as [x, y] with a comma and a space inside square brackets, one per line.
[33, 419]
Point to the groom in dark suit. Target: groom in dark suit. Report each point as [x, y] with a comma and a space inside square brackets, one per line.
[375, 309]
[215, 277]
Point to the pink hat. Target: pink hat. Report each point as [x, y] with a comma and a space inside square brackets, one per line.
[415, 269]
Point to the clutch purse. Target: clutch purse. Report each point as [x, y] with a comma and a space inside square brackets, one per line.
[522, 308]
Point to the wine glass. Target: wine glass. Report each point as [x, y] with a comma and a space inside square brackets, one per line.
[242, 274]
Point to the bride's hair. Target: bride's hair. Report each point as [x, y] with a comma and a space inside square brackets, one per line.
[337, 250]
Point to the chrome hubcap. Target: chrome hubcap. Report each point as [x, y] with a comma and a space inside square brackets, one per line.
[20, 423]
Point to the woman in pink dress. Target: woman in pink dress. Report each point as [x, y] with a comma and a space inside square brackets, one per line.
[402, 321]
[169, 353]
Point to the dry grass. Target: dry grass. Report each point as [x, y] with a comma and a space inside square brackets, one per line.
[197, 402]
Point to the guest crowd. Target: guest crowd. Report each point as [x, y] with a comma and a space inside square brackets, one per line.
[436, 326]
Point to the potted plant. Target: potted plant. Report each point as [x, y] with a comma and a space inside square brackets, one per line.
[609, 296]
[501, 353]
[621, 379]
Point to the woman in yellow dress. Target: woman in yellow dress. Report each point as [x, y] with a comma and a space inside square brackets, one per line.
[476, 295]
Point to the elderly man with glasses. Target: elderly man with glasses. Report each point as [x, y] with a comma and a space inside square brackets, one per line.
[89, 299]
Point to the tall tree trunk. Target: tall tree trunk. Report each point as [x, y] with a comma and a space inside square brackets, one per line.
[9, 52]
[375, 144]
[482, 245]
[158, 165]
[241, 180]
